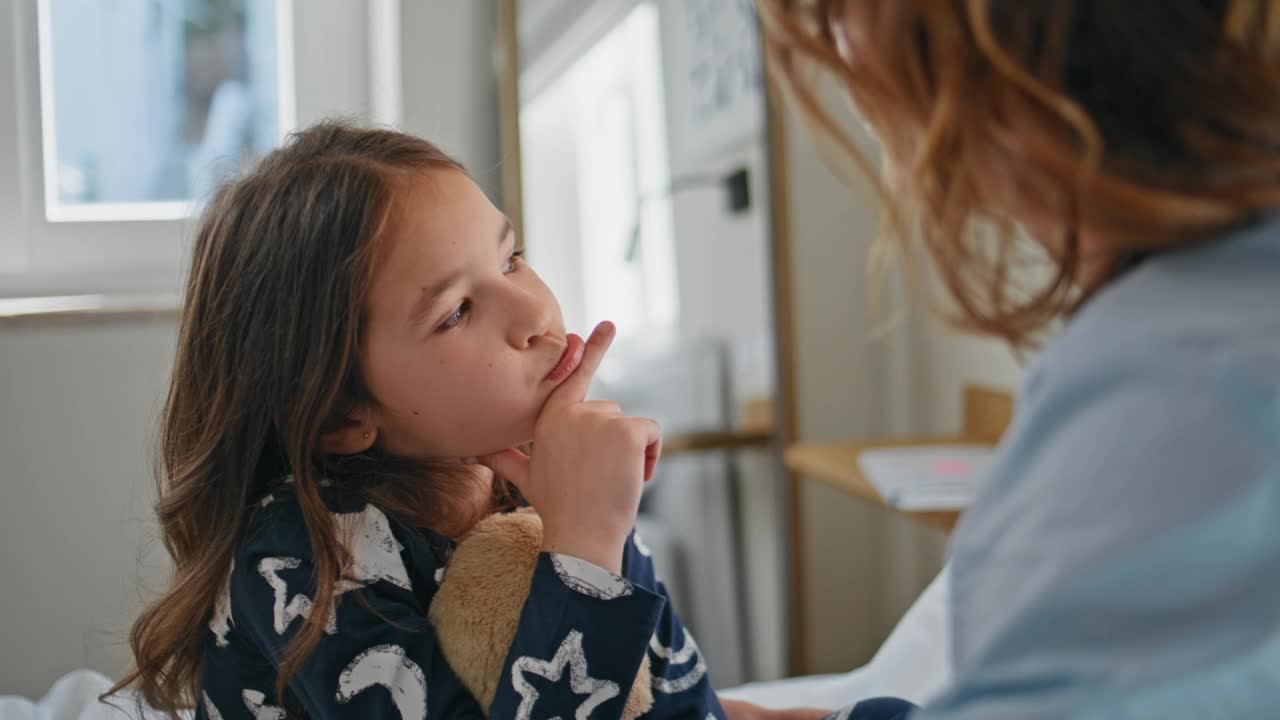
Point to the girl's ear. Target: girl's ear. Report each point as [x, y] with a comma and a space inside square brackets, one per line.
[355, 434]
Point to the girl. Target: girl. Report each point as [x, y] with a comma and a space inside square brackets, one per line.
[359, 333]
[1123, 558]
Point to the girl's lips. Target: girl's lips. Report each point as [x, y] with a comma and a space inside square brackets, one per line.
[569, 360]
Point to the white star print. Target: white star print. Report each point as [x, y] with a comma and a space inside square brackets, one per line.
[221, 621]
[375, 555]
[209, 708]
[254, 701]
[286, 610]
[569, 654]
[678, 657]
[375, 552]
[589, 579]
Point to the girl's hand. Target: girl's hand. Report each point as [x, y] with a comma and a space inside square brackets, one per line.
[588, 466]
[739, 710]
[800, 714]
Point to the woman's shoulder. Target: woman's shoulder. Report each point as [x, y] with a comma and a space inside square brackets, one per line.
[1161, 397]
[1200, 309]
[1158, 405]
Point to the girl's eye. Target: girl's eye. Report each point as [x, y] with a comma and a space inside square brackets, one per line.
[513, 262]
[456, 318]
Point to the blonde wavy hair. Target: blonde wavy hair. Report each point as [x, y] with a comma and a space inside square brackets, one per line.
[1109, 131]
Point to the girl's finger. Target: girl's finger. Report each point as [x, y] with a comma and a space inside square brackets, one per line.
[574, 388]
[605, 406]
[651, 455]
[511, 465]
[653, 446]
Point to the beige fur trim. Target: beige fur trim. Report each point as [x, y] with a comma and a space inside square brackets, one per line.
[477, 609]
[641, 697]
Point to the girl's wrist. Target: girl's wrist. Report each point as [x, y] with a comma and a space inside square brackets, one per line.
[606, 554]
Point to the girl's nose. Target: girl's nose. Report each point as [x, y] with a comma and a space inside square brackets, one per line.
[531, 319]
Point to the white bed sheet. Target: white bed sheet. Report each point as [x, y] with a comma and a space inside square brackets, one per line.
[913, 664]
[73, 697]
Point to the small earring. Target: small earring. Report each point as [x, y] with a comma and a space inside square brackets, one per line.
[365, 436]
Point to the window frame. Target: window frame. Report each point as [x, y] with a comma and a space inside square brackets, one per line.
[144, 211]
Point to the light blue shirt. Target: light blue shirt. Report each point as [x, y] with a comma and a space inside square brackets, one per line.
[1123, 558]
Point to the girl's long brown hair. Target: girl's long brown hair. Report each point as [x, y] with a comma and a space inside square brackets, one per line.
[268, 359]
[1147, 124]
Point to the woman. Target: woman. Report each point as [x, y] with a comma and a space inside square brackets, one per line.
[1123, 556]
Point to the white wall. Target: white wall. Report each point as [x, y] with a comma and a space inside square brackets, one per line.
[725, 282]
[952, 360]
[449, 82]
[78, 402]
[79, 407]
[551, 203]
[862, 566]
[843, 547]
[723, 267]
[724, 277]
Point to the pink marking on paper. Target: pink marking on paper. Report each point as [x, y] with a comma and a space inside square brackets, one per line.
[951, 468]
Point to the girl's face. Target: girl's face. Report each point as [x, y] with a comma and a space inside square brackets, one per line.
[461, 334]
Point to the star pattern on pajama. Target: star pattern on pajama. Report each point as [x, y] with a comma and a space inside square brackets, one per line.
[569, 655]
[220, 623]
[375, 552]
[287, 609]
[256, 702]
[209, 708]
[375, 556]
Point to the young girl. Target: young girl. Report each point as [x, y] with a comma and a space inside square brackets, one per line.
[359, 335]
[1122, 559]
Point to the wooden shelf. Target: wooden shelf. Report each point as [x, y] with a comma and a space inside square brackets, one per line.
[752, 428]
[987, 413]
[716, 440]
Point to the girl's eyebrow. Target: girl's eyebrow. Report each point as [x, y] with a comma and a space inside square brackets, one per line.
[431, 293]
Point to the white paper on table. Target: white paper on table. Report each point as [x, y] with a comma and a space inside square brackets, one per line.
[930, 477]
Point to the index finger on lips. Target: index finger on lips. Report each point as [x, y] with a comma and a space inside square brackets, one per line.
[574, 388]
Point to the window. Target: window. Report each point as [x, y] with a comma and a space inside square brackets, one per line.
[125, 112]
[598, 219]
[147, 104]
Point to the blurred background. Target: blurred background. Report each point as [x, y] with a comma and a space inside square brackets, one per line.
[657, 181]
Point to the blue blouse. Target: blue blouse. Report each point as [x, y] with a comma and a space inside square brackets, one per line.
[1123, 558]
